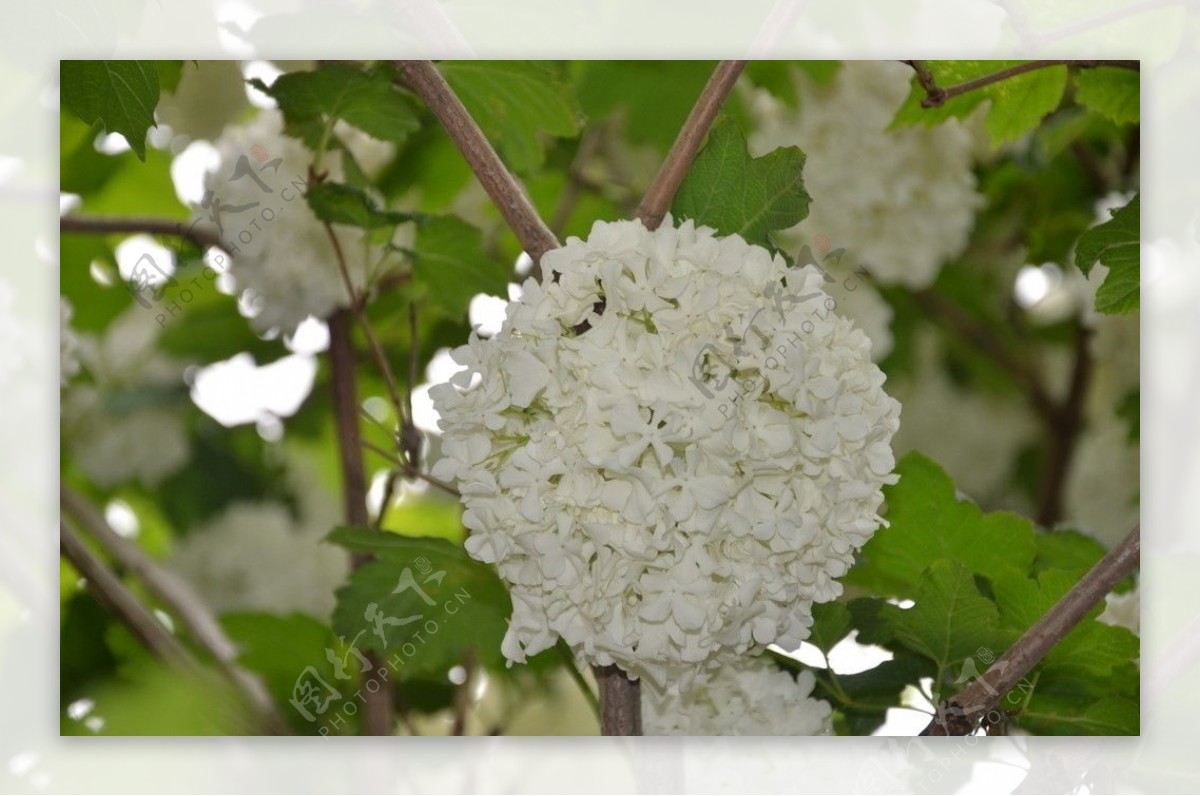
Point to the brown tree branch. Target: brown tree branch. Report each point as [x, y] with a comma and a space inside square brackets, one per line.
[962, 714]
[620, 701]
[423, 79]
[377, 704]
[195, 617]
[202, 236]
[112, 594]
[1064, 427]
[662, 190]
[936, 96]
[951, 317]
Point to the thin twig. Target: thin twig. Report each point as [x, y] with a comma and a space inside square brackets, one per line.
[195, 617]
[462, 697]
[423, 78]
[408, 470]
[360, 315]
[377, 704]
[952, 318]
[662, 190]
[1064, 428]
[936, 96]
[120, 602]
[203, 237]
[962, 714]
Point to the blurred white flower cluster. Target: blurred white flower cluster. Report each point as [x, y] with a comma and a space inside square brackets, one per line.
[282, 256]
[1124, 610]
[260, 556]
[129, 420]
[749, 697]
[900, 202]
[671, 450]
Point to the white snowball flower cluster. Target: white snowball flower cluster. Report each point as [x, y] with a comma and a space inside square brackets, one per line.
[68, 344]
[281, 252]
[749, 697]
[126, 423]
[257, 557]
[260, 556]
[901, 200]
[671, 449]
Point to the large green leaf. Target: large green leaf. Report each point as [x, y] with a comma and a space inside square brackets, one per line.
[451, 265]
[739, 195]
[863, 699]
[1114, 93]
[1117, 244]
[927, 523]
[1047, 714]
[423, 603]
[951, 620]
[653, 97]
[311, 101]
[1018, 103]
[293, 650]
[515, 103]
[120, 95]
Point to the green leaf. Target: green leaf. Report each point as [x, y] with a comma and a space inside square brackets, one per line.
[740, 195]
[337, 203]
[1116, 244]
[1113, 93]
[311, 101]
[863, 699]
[778, 77]
[422, 602]
[1047, 714]
[927, 522]
[515, 103]
[653, 97]
[1068, 550]
[831, 623]
[1018, 103]
[285, 651]
[452, 266]
[951, 619]
[120, 95]
[169, 74]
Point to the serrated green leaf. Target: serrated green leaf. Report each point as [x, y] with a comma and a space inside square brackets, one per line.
[120, 95]
[951, 620]
[1067, 550]
[310, 101]
[515, 103]
[1018, 103]
[1117, 244]
[1113, 93]
[1047, 714]
[452, 266]
[422, 602]
[927, 522]
[739, 195]
[863, 699]
[336, 203]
